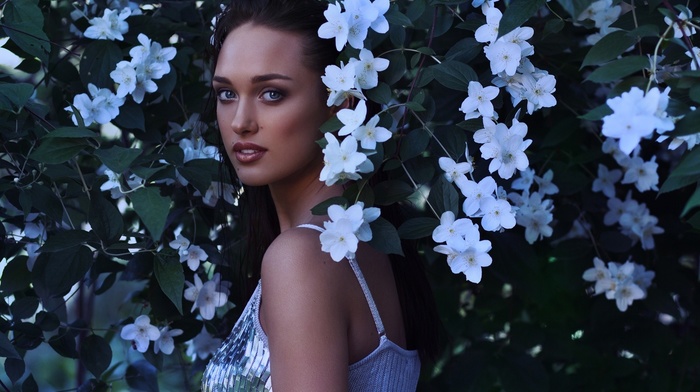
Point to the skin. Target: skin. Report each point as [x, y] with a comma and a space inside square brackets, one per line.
[313, 309]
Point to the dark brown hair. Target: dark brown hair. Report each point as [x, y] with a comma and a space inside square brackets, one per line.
[259, 218]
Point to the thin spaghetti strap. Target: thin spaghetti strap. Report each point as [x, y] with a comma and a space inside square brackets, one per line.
[368, 295]
[365, 289]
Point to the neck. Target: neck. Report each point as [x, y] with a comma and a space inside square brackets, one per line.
[293, 202]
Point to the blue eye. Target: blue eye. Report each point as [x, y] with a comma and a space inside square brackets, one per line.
[225, 95]
[272, 95]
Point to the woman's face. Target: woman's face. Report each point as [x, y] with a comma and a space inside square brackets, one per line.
[269, 106]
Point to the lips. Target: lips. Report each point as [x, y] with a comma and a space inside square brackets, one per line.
[248, 152]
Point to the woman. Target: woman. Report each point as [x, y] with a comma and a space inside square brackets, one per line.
[311, 324]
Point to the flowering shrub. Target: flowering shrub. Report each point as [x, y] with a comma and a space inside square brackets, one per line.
[544, 153]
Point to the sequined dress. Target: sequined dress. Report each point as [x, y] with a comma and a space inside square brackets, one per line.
[242, 363]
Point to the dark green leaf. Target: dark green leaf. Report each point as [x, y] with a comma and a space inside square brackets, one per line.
[24, 308]
[414, 144]
[391, 191]
[94, 385]
[23, 22]
[322, 207]
[15, 276]
[131, 116]
[333, 124]
[29, 385]
[55, 273]
[688, 125]
[522, 373]
[167, 83]
[44, 200]
[574, 7]
[47, 321]
[58, 150]
[95, 354]
[14, 368]
[71, 133]
[171, 278]
[597, 113]
[608, 48]
[395, 17]
[396, 69]
[380, 94]
[464, 50]
[152, 208]
[385, 238]
[687, 172]
[517, 12]
[65, 239]
[142, 375]
[617, 69]
[105, 219]
[118, 159]
[443, 197]
[454, 74]
[692, 202]
[7, 350]
[64, 344]
[13, 96]
[201, 181]
[417, 228]
[99, 59]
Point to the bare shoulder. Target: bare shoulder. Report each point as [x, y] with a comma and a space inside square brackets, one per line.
[304, 313]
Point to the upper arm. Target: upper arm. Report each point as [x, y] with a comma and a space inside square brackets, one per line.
[304, 315]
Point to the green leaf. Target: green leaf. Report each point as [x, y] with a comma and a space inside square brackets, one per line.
[197, 177]
[99, 59]
[597, 113]
[131, 116]
[443, 197]
[574, 7]
[14, 368]
[417, 228]
[395, 17]
[95, 354]
[618, 69]
[608, 48]
[24, 308]
[142, 375]
[58, 150]
[152, 208]
[65, 239]
[380, 94]
[692, 202]
[71, 133]
[117, 158]
[55, 273]
[15, 276]
[687, 172]
[64, 344]
[517, 12]
[7, 350]
[13, 96]
[385, 238]
[688, 125]
[29, 385]
[414, 144]
[464, 50]
[391, 191]
[454, 74]
[105, 219]
[171, 278]
[333, 124]
[322, 207]
[23, 22]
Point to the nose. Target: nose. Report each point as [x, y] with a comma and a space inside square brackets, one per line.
[244, 119]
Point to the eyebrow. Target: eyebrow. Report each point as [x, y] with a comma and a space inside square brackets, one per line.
[255, 79]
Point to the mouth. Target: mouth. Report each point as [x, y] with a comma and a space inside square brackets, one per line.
[248, 152]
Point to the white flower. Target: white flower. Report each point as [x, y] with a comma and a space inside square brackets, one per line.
[109, 105]
[681, 26]
[125, 75]
[141, 332]
[143, 86]
[180, 243]
[535, 215]
[370, 134]
[193, 255]
[498, 213]
[205, 296]
[380, 24]
[455, 172]
[694, 55]
[468, 261]
[546, 186]
[606, 180]
[626, 293]
[346, 228]
[203, 345]
[112, 181]
[342, 161]
[165, 342]
[489, 31]
[87, 108]
[478, 101]
[337, 26]
[367, 68]
[352, 119]
[110, 26]
[519, 36]
[216, 190]
[642, 174]
[475, 194]
[524, 182]
[597, 274]
[507, 150]
[503, 56]
[540, 95]
[341, 81]
[457, 234]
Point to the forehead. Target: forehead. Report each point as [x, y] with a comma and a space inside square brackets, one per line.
[258, 49]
